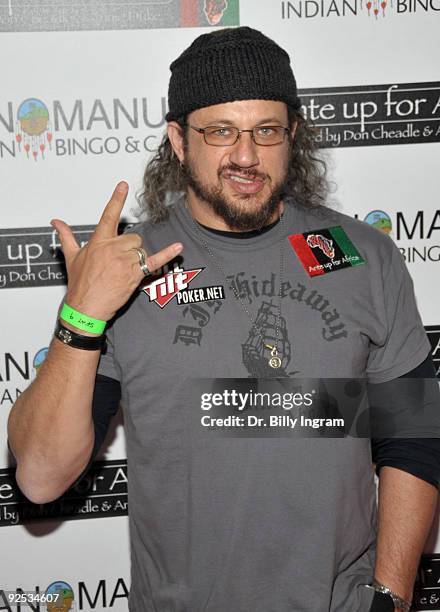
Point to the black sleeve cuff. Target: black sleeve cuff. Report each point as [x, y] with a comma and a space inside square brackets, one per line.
[417, 456]
[105, 404]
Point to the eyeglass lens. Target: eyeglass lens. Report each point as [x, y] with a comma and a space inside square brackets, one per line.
[265, 135]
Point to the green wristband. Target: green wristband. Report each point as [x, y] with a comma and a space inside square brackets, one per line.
[81, 321]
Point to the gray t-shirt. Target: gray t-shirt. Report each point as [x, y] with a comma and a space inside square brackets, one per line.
[261, 523]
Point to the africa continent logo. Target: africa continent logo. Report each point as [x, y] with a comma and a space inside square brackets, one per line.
[214, 10]
[33, 130]
[323, 243]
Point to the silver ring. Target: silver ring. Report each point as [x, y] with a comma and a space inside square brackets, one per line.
[142, 257]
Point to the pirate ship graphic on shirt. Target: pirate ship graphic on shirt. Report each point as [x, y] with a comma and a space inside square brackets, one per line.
[255, 351]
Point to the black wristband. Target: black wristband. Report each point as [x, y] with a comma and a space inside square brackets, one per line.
[71, 338]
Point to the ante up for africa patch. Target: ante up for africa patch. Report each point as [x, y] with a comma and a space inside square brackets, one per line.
[325, 250]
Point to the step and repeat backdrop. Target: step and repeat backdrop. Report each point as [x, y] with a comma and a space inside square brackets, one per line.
[82, 106]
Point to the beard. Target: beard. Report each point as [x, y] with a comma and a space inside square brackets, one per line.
[241, 218]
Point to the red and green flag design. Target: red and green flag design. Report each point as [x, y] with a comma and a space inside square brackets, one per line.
[325, 250]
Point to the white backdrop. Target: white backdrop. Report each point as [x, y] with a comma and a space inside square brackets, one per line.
[78, 75]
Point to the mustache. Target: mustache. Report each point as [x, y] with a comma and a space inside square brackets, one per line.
[243, 172]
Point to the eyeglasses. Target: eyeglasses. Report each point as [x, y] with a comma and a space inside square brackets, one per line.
[265, 135]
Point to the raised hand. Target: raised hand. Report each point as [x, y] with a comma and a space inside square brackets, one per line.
[103, 274]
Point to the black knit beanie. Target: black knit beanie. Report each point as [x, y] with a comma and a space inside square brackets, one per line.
[227, 65]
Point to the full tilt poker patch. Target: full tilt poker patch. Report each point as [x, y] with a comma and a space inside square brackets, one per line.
[325, 250]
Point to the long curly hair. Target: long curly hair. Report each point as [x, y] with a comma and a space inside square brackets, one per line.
[307, 180]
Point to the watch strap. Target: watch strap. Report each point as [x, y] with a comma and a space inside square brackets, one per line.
[398, 602]
[382, 602]
[71, 338]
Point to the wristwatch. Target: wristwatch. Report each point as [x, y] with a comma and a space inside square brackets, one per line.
[88, 343]
[394, 601]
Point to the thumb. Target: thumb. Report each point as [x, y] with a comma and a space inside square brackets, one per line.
[68, 241]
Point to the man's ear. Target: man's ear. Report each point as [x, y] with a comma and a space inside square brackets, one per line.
[293, 129]
[175, 135]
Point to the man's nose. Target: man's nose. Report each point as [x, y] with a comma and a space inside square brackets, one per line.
[244, 151]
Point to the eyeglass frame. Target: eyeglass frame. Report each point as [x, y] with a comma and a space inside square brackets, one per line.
[239, 132]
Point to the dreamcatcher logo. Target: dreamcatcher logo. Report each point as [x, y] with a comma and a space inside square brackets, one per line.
[376, 8]
[39, 358]
[380, 220]
[60, 597]
[33, 130]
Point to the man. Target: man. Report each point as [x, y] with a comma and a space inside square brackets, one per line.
[265, 289]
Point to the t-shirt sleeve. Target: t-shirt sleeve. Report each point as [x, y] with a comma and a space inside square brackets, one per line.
[108, 365]
[405, 343]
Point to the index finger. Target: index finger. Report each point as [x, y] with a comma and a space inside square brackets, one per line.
[108, 224]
